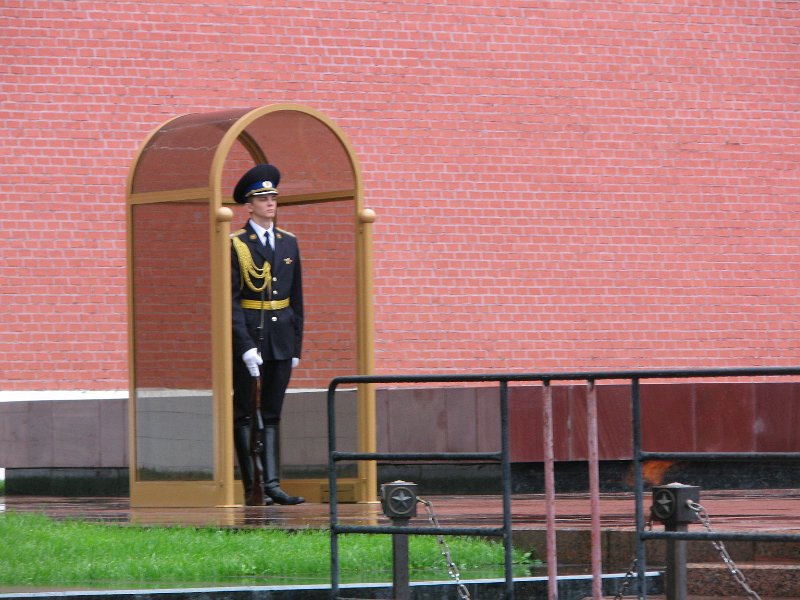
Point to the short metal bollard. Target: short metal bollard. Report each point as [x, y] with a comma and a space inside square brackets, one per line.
[671, 507]
[399, 501]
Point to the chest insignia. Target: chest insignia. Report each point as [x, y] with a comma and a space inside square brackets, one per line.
[288, 261]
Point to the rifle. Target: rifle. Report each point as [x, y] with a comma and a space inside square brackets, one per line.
[257, 429]
[256, 446]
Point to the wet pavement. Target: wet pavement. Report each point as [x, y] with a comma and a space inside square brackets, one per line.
[729, 510]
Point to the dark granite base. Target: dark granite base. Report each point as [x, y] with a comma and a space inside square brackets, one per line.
[780, 581]
[615, 476]
[112, 482]
[453, 479]
[448, 479]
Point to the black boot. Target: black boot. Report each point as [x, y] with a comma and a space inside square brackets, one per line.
[272, 485]
[241, 442]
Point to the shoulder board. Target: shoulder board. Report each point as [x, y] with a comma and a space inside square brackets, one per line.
[289, 233]
[238, 232]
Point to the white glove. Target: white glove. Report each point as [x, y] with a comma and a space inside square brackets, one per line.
[252, 359]
[295, 362]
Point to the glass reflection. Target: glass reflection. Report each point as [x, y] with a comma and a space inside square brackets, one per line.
[327, 243]
[312, 160]
[179, 156]
[172, 341]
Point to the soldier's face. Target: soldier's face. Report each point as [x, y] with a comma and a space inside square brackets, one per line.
[263, 207]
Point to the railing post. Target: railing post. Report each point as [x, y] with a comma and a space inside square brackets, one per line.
[594, 490]
[676, 584]
[400, 578]
[333, 501]
[505, 460]
[399, 502]
[636, 427]
[549, 492]
[670, 507]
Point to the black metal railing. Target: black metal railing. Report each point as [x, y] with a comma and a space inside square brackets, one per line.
[634, 377]
[502, 457]
[640, 456]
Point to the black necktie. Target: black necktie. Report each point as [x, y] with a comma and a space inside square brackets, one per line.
[268, 250]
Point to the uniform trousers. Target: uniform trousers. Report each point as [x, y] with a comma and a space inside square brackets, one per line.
[275, 375]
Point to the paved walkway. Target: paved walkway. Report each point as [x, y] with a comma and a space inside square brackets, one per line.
[750, 510]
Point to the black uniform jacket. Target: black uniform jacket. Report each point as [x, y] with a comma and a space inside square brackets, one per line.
[283, 328]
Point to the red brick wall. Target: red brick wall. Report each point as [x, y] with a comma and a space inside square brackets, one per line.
[576, 185]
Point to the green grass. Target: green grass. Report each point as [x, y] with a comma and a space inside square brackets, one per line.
[39, 551]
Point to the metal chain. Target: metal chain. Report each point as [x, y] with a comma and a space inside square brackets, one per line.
[702, 514]
[626, 581]
[452, 569]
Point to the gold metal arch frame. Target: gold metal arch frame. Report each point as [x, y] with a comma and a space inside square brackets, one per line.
[178, 222]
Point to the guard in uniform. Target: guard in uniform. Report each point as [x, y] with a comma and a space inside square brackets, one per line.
[267, 307]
